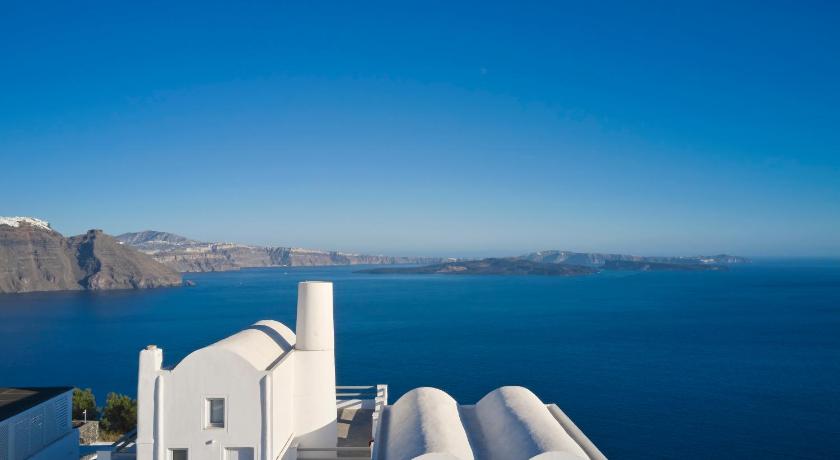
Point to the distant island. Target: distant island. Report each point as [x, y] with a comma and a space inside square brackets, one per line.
[188, 255]
[594, 259]
[565, 263]
[34, 257]
[492, 266]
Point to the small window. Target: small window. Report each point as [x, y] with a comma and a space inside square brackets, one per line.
[178, 454]
[215, 413]
[239, 453]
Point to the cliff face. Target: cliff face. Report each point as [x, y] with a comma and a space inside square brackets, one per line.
[37, 258]
[108, 264]
[186, 255]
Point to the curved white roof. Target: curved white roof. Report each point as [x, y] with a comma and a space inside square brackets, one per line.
[509, 423]
[424, 423]
[516, 424]
[261, 344]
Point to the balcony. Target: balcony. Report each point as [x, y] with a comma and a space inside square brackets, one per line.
[358, 411]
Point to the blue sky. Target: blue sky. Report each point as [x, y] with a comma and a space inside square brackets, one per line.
[428, 127]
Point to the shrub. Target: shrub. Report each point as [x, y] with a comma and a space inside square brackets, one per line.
[119, 414]
[84, 400]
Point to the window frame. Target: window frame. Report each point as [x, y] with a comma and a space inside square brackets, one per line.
[207, 412]
[172, 450]
[228, 449]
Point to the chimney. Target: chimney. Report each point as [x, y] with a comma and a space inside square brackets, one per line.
[314, 329]
[148, 401]
[314, 357]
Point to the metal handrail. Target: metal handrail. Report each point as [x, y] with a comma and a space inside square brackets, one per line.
[359, 391]
[364, 451]
[124, 441]
[333, 449]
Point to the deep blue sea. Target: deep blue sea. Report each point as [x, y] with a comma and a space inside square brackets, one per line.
[744, 363]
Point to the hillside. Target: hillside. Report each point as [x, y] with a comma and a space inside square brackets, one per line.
[34, 257]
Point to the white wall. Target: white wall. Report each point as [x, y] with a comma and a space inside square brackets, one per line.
[66, 447]
[282, 378]
[212, 373]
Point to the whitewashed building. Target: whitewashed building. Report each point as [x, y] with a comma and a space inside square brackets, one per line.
[252, 395]
[35, 424]
[269, 393]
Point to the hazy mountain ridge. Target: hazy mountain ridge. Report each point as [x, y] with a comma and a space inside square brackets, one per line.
[151, 239]
[187, 255]
[34, 257]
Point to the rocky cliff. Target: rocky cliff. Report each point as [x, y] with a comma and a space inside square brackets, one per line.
[34, 257]
[187, 255]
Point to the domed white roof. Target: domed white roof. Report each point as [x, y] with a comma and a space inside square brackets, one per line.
[516, 424]
[509, 423]
[424, 423]
[261, 344]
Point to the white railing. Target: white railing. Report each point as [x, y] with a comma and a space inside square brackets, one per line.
[361, 396]
[370, 397]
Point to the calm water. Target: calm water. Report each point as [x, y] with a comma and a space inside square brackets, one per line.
[649, 365]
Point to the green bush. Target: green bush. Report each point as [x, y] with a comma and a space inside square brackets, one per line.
[84, 400]
[119, 414]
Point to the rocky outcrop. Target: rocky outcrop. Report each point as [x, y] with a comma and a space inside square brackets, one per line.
[37, 258]
[108, 264]
[186, 255]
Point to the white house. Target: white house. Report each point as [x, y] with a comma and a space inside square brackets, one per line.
[35, 424]
[252, 395]
[267, 393]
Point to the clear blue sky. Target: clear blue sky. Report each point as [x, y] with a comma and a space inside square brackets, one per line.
[429, 127]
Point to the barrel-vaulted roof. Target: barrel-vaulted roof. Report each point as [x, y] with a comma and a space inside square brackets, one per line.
[262, 344]
[509, 423]
[425, 422]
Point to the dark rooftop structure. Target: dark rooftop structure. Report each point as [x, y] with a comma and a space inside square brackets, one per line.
[18, 399]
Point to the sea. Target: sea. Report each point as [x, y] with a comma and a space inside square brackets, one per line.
[743, 363]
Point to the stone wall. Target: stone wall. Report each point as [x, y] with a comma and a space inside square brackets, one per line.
[88, 431]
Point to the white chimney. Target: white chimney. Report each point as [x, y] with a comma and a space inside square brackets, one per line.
[314, 393]
[148, 409]
[314, 328]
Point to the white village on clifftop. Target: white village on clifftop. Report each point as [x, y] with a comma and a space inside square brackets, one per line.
[269, 393]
